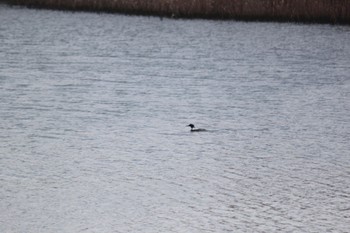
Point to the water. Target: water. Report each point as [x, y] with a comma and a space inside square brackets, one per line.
[93, 113]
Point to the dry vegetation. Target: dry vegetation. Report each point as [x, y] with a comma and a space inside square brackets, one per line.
[328, 11]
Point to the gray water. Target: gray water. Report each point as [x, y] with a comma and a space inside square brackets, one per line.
[94, 109]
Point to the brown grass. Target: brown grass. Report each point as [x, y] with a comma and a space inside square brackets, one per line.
[325, 11]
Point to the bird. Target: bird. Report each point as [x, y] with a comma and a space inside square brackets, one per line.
[194, 129]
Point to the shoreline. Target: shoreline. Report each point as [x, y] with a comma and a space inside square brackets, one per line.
[300, 11]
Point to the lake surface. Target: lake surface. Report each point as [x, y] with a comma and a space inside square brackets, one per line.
[94, 109]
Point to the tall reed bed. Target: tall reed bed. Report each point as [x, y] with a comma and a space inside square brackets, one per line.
[328, 11]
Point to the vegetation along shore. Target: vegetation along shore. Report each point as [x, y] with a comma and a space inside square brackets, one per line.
[315, 11]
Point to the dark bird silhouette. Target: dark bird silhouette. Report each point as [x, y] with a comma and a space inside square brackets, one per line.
[194, 129]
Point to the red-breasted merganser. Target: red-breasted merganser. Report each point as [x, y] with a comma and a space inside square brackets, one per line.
[193, 129]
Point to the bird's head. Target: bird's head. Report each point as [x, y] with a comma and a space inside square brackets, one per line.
[191, 125]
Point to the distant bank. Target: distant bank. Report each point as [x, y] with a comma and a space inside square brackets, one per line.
[315, 11]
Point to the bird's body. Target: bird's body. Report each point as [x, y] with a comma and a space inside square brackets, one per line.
[194, 129]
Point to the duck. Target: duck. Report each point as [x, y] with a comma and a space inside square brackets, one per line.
[194, 129]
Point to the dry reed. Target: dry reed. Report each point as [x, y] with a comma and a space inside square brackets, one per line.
[325, 11]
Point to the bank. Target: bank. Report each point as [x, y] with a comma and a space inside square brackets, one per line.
[307, 11]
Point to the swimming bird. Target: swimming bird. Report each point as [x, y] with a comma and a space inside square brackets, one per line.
[194, 129]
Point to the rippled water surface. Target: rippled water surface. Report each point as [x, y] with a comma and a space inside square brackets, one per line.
[94, 109]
